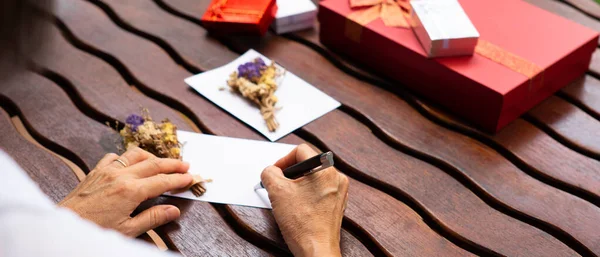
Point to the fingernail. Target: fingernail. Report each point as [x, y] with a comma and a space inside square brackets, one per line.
[172, 212]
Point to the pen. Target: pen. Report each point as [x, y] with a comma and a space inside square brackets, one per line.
[312, 165]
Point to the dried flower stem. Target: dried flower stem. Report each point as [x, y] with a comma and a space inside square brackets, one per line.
[198, 190]
[197, 186]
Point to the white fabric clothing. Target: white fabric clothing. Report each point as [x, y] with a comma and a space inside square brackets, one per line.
[32, 226]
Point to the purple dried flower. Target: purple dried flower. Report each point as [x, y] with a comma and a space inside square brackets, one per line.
[260, 62]
[252, 70]
[134, 121]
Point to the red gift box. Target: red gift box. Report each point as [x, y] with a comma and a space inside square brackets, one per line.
[239, 16]
[524, 55]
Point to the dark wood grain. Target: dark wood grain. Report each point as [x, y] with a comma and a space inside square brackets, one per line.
[595, 65]
[100, 87]
[172, 26]
[45, 107]
[578, 170]
[295, 62]
[569, 124]
[585, 93]
[22, 91]
[579, 173]
[589, 7]
[410, 177]
[204, 49]
[538, 152]
[578, 142]
[388, 216]
[150, 64]
[582, 92]
[548, 166]
[566, 11]
[583, 130]
[208, 125]
[257, 218]
[97, 82]
[53, 176]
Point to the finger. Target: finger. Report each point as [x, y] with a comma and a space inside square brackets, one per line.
[345, 203]
[325, 174]
[154, 166]
[162, 183]
[106, 160]
[344, 185]
[151, 218]
[132, 156]
[300, 153]
[271, 176]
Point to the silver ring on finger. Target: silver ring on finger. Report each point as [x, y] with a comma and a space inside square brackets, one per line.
[122, 162]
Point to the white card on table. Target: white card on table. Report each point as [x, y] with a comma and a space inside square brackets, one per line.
[299, 101]
[233, 164]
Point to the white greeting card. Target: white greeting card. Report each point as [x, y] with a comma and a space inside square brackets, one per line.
[298, 102]
[233, 164]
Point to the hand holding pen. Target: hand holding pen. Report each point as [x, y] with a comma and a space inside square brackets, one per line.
[314, 164]
[309, 209]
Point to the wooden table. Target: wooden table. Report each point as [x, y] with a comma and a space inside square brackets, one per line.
[422, 183]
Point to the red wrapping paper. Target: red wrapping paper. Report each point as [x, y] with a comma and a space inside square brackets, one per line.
[248, 17]
[486, 92]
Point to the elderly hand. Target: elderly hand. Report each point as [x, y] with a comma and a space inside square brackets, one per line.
[117, 186]
[308, 210]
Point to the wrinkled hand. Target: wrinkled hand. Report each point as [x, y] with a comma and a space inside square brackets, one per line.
[308, 210]
[111, 192]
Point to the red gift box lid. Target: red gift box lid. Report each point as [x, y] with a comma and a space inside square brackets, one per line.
[240, 16]
[516, 27]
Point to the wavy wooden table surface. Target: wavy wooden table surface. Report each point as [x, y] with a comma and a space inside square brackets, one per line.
[423, 183]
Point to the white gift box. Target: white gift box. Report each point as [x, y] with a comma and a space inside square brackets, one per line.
[294, 15]
[443, 28]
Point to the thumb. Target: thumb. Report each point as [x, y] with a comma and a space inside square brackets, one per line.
[151, 218]
[270, 176]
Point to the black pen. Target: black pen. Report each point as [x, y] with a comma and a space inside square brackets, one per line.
[312, 165]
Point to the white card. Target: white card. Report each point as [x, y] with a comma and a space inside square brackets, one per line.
[233, 164]
[299, 101]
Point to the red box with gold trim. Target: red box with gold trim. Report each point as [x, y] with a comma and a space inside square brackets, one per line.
[524, 55]
[249, 17]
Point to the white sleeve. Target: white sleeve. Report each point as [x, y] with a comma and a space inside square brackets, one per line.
[31, 225]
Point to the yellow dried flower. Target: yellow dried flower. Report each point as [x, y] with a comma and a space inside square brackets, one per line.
[258, 89]
[158, 139]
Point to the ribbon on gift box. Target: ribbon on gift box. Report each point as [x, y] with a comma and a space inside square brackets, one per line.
[510, 60]
[397, 13]
[219, 9]
[394, 13]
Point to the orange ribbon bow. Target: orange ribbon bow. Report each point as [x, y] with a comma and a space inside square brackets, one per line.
[394, 13]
